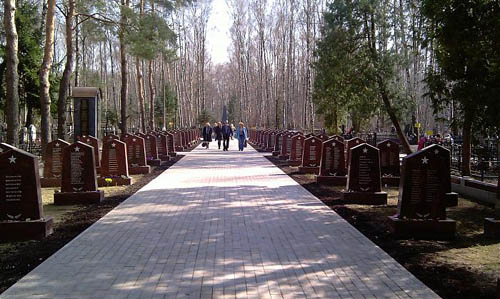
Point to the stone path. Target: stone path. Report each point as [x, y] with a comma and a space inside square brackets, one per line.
[220, 225]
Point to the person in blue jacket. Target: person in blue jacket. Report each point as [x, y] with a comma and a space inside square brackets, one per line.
[242, 135]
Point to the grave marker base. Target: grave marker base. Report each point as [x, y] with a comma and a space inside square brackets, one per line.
[139, 170]
[76, 198]
[155, 162]
[276, 154]
[293, 163]
[172, 154]
[392, 181]
[422, 229]
[331, 180]
[164, 158]
[116, 181]
[492, 228]
[50, 183]
[281, 157]
[179, 149]
[309, 170]
[26, 230]
[364, 198]
[451, 199]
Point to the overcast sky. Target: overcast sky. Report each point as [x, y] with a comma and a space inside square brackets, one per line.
[218, 32]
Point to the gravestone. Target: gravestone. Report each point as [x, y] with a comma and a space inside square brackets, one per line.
[110, 137]
[389, 162]
[270, 141]
[364, 184]
[114, 166]
[86, 106]
[162, 146]
[152, 156]
[311, 156]
[52, 163]
[286, 146]
[350, 144]
[136, 154]
[492, 225]
[296, 151]
[5, 147]
[338, 138]
[21, 211]
[93, 142]
[171, 144]
[178, 141]
[79, 179]
[323, 137]
[425, 176]
[332, 165]
[277, 144]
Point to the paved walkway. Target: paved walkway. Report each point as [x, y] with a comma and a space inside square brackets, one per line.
[220, 225]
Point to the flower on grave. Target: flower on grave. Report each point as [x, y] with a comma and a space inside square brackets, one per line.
[108, 181]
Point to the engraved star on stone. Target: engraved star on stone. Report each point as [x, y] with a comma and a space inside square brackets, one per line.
[134, 140]
[436, 151]
[12, 159]
[357, 141]
[365, 150]
[113, 144]
[388, 145]
[57, 144]
[425, 160]
[77, 149]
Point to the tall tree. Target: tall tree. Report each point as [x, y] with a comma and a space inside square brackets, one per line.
[12, 76]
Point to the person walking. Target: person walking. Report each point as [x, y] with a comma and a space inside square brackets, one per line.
[207, 135]
[218, 133]
[242, 136]
[227, 132]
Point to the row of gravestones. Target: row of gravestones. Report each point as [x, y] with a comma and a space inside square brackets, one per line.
[425, 184]
[21, 212]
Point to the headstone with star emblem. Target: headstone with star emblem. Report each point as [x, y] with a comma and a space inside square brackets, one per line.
[171, 144]
[93, 142]
[311, 155]
[389, 162]
[323, 137]
[178, 141]
[136, 154]
[21, 211]
[162, 146]
[152, 156]
[350, 144]
[110, 137]
[5, 147]
[286, 146]
[492, 225]
[423, 190]
[296, 151]
[114, 166]
[332, 165]
[277, 144]
[364, 184]
[79, 178]
[338, 138]
[52, 163]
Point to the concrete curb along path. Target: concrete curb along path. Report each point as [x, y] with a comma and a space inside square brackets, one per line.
[220, 225]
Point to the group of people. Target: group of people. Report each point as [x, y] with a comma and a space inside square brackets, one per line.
[223, 132]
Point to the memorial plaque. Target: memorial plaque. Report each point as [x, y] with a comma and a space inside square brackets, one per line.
[277, 143]
[94, 142]
[171, 144]
[311, 155]
[285, 149]
[52, 166]
[178, 141]
[21, 211]
[350, 144]
[270, 141]
[162, 146]
[297, 149]
[332, 160]
[136, 154]
[425, 181]
[364, 169]
[114, 168]
[389, 157]
[423, 192]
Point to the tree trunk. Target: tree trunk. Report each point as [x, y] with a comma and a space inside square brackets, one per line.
[12, 77]
[466, 145]
[65, 80]
[124, 71]
[45, 74]
[140, 94]
[152, 91]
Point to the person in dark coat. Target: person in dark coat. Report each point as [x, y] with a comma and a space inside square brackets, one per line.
[227, 132]
[207, 135]
[218, 133]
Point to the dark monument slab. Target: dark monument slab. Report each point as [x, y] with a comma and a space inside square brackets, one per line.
[270, 141]
[286, 146]
[86, 115]
[423, 191]
[93, 142]
[52, 163]
[364, 184]
[136, 154]
[350, 144]
[152, 156]
[311, 156]
[79, 179]
[389, 162]
[178, 141]
[162, 146]
[332, 165]
[171, 144]
[492, 225]
[296, 151]
[114, 166]
[21, 211]
[277, 144]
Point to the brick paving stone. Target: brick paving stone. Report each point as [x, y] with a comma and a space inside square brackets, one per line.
[220, 225]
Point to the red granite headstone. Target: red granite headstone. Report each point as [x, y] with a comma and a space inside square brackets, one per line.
[136, 154]
[171, 144]
[311, 156]
[79, 179]
[52, 163]
[277, 144]
[152, 156]
[93, 142]
[389, 162]
[296, 151]
[364, 184]
[162, 146]
[21, 211]
[332, 169]
[286, 146]
[114, 166]
[178, 141]
[425, 182]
